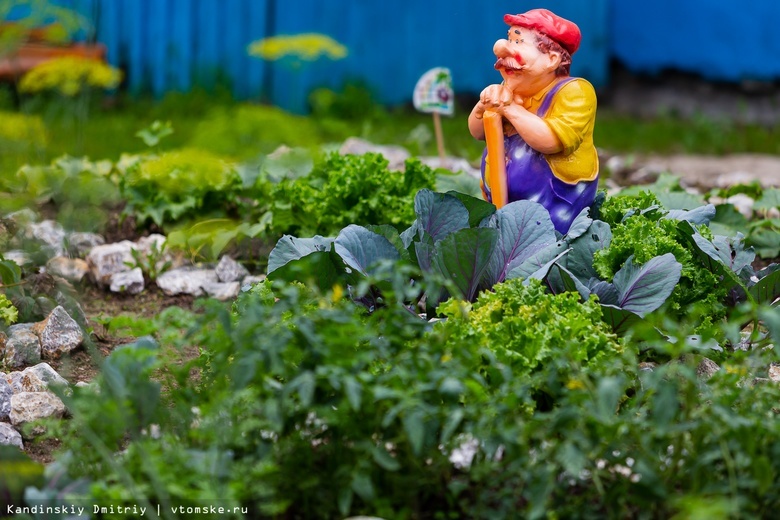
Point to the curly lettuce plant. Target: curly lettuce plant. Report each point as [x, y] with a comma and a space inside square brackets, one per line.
[177, 185]
[526, 326]
[348, 189]
[8, 313]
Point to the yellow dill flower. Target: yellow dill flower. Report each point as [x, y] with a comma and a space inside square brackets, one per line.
[338, 293]
[69, 74]
[575, 384]
[306, 46]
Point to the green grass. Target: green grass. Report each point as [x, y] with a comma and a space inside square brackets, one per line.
[667, 134]
[110, 127]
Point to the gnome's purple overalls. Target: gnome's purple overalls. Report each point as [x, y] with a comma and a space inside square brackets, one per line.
[530, 177]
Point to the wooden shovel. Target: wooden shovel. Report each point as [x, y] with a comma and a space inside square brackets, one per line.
[496, 161]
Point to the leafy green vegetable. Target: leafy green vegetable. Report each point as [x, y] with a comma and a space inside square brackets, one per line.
[348, 189]
[8, 312]
[526, 326]
[643, 235]
[177, 185]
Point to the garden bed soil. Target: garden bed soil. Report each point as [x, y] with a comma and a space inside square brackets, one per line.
[83, 364]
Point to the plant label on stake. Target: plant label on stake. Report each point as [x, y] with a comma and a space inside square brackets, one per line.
[433, 94]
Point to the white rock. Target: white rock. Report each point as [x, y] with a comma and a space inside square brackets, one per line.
[6, 391]
[23, 217]
[146, 244]
[72, 306]
[109, 259]
[734, 178]
[453, 164]
[395, 155]
[20, 257]
[251, 280]
[59, 334]
[616, 165]
[228, 270]
[743, 204]
[706, 369]
[25, 382]
[20, 346]
[82, 243]
[50, 233]
[72, 269]
[131, 282]
[47, 375]
[9, 436]
[774, 372]
[186, 280]
[222, 291]
[27, 407]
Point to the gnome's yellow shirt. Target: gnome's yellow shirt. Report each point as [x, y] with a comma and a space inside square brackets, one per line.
[571, 116]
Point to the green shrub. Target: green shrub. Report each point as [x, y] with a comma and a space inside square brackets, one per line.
[82, 190]
[178, 185]
[346, 189]
[354, 102]
[247, 131]
[20, 132]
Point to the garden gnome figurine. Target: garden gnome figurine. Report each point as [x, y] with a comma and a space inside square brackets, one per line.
[548, 117]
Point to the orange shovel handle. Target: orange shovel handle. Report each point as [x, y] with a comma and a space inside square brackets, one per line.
[496, 160]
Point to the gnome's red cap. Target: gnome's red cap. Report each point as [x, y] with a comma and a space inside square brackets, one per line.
[566, 33]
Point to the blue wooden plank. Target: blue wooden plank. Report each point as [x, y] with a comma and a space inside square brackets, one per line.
[108, 29]
[157, 51]
[235, 41]
[135, 13]
[713, 38]
[255, 71]
[207, 49]
[88, 10]
[180, 49]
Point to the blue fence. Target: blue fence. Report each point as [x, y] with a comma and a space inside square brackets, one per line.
[165, 45]
[717, 39]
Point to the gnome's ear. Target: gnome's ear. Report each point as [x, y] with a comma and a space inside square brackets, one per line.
[555, 59]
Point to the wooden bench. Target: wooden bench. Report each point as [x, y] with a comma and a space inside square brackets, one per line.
[40, 44]
[23, 59]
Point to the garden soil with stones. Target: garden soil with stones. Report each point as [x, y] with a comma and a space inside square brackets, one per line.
[82, 365]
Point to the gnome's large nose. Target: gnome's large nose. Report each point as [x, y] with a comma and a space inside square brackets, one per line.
[501, 48]
[506, 58]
